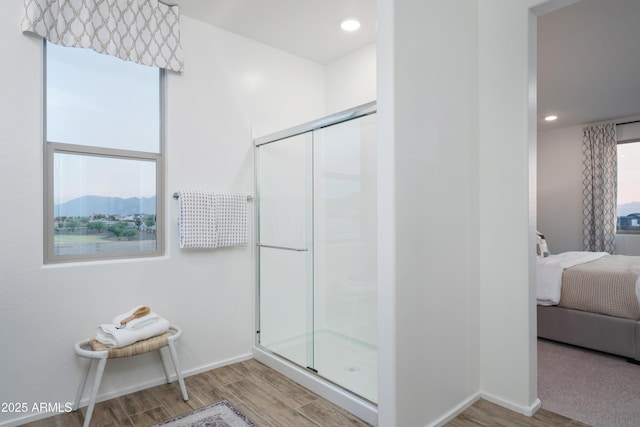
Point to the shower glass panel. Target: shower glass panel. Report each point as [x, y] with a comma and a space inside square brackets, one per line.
[285, 255]
[345, 339]
[317, 250]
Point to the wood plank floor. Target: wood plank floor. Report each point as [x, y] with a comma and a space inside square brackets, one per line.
[483, 413]
[268, 398]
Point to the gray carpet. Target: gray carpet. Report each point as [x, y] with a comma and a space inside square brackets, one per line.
[598, 389]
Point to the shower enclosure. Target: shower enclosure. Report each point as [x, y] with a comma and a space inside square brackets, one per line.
[316, 249]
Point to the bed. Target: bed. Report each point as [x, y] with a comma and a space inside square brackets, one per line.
[592, 300]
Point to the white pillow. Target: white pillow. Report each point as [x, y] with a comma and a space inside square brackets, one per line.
[542, 250]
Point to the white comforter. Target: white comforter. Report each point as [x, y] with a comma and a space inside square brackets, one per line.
[549, 272]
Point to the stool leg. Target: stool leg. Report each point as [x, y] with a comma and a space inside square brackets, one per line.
[82, 384]
[174, 358]
[94, 392]
[164, 366]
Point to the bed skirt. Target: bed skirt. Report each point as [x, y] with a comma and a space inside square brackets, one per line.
[599, 332]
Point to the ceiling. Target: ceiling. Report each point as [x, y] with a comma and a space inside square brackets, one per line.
[588, 58]
[306, 28]
[589, 62]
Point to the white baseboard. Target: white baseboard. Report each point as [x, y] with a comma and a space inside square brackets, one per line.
[455, 411]
[524, 410]
[215, 365]
[130, 389]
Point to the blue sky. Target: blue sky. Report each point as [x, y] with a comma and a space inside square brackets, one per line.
[101, 101]
[76, 176]
[628, 173]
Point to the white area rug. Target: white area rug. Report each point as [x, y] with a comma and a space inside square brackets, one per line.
[221, 414]
[596, 388]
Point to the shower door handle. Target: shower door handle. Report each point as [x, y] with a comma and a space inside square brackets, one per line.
[285, 248]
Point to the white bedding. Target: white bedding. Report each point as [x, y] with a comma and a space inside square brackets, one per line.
[549, 273]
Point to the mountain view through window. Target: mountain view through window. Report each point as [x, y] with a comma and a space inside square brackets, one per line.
[629, 187]
[104, 157]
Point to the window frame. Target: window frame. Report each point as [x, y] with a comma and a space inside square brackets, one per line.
[52, 147]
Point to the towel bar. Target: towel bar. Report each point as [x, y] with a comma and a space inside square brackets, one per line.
[177, 196]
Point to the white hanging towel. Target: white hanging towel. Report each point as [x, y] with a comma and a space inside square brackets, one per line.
[211, 220]
[195, 219]
[230, 219]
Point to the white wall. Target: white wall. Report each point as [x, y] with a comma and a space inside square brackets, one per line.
[507, 63]
[351, 80]
[560, 189]
[230, 85]
[627, 244]
[427, 99]
[456, 266]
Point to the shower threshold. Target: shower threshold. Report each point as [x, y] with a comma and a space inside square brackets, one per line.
[347, 377]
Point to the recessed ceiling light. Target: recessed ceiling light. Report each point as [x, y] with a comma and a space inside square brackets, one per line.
[550, 118]
[350, 24]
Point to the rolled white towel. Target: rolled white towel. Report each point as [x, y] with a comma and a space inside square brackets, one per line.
[111, 336]
[138, 323]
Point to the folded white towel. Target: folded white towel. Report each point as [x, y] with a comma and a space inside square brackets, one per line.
[110, 336]
[138, 323]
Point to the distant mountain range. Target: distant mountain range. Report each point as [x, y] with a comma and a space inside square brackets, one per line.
[88, 205]
[628, 208]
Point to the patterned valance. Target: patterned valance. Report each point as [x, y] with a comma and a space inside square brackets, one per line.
[143, 31]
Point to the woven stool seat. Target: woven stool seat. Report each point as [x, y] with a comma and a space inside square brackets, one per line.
[140, 347]
[93, 349]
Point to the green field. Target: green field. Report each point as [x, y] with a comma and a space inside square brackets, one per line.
[69, 239]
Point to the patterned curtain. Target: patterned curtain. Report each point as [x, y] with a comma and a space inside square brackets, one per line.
[143, 31]
[599, 187]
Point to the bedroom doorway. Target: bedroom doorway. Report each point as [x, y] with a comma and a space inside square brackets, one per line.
[565, 30]
[537, 79]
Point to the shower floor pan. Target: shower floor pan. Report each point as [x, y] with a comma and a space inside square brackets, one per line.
[347, 362]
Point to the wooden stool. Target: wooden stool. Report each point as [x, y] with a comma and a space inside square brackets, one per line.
[92, 349]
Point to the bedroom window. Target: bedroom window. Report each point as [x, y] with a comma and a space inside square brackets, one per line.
[103, 157]
[628, 202]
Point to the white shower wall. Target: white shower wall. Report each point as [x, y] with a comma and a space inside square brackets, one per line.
[346, 246]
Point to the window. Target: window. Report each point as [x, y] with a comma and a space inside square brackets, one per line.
[103, 157]
[628, 188]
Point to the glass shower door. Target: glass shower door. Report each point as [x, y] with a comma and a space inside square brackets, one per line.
[345, 254]
[285, 247]
[317, 248]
